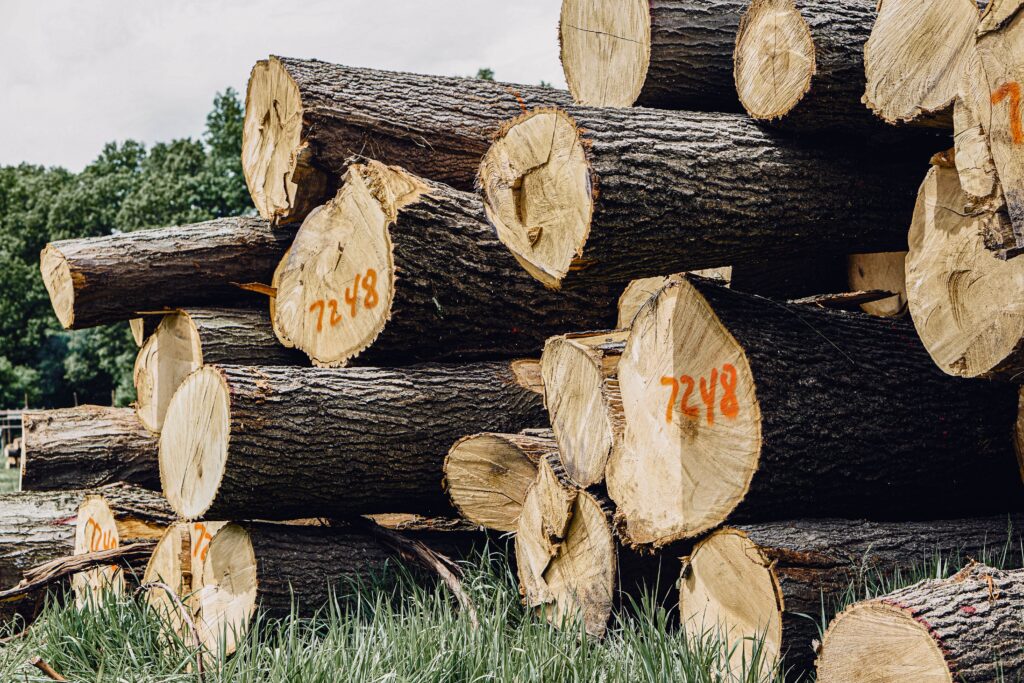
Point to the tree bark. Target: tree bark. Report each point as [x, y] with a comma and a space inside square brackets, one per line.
[398, 269]
[305, 119]
[114, 278]
[85, 447]
[811, 565]
[562, 194]
[188, 339]
[379, 435]
[666, 54]
[967, 628]
[823, 413]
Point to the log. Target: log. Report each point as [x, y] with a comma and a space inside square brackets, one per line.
[581, 393]
[913, 59]
[113, 278]
[762, 580]
[143, 326]
[378, 434]
[397, 269]
[120, 515]
[885, 271]
[742, 408]
[1000, 46]
[487, 475]
[305, 119]
[562, 194]
[571, 570]
[85, 447]
[667, 54]
[964, 301]
[190, 338]
[965, 628]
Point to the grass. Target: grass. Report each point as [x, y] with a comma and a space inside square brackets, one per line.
[8, 479]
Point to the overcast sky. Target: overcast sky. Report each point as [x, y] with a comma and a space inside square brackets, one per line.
[78, 73]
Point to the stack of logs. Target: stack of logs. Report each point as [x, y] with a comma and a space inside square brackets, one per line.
[733, 421]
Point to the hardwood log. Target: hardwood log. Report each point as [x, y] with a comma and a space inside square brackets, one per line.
[190, 338]
[742, 408]
[143, 326]
[913, 59]
[886, 271]
[581, 393]
[397, 269]
[114, 278]
[562, 194]
[119, 515]
[968, 628]
[965, 302]
[380, 435]
[762, 580]
[487, 475]
[668, 54]
[85, 447]
[305, 119]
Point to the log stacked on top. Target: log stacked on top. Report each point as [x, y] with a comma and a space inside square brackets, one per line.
[684, 405]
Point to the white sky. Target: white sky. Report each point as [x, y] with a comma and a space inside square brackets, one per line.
[75, 74]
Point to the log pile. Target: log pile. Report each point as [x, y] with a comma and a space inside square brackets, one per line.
[621, 334]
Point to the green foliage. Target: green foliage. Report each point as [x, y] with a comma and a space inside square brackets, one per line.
[485, 73]
[127, 187]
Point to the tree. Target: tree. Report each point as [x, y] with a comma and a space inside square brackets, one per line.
[485, 73]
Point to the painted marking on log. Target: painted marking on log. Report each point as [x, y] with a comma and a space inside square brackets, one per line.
[728, 405]
[99, 539]
[1011, 90]
[202, 543]
[371, 298]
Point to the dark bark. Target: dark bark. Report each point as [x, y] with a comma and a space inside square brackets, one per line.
[318, 442]
[116, 277]
[239, 336]
[817, 561]
[435, 126]
[791, 278]
[35, 527]
[85, 447]
[460, 294]
[139, 514]
[856, 419]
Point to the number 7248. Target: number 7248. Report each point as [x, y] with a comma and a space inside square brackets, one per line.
[727, 405]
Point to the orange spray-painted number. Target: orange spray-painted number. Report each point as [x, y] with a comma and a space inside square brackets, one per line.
[728, 406]
[1011, 90]
[366, 281]
[202, 542]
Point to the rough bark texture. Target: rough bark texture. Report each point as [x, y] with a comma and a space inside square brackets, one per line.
[849, 403]
[817, 561]
[85, 447]
[360, 440]
[137, 512]
[791, 278]
[238, 336]
[435, 126]
[115, 277]
[718, 189]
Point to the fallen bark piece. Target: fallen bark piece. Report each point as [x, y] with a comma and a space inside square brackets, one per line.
[967, 628]
[190, 338]
[305, 120]
[884, 271]
[86, 446]
[668, 54]
[487, 475]
[114, 278]
[965, 302]
[398, 269]
[361, 440]
[742, 408]
[581, 393]
[561, 192]
[762, 580]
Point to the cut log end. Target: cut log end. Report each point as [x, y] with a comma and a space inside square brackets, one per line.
[336, 285]
[881, 643]
[565, 552]
[963, 299]
[537, 191]
[283, 185]
[228, 591]
[96, 529]
[487, 476]
[774, 59]
[167, 357]
[690, 417]
[605, 50]
[171, 566]
[884, 271]
[583, 401]
[57, 278]
[912, 58]
[194, 443]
